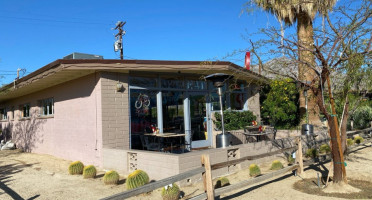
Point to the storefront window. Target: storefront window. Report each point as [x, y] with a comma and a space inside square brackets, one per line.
[143, 110]
[237, 101]
[196, 85]
[143, 82]
[172, 83]
[215, 101]
[237, 95]
[173, 118]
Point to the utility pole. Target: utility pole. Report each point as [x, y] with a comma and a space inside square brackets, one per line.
[119, 36]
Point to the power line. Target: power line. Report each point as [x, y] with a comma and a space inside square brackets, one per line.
[53, 20]
[119, 36]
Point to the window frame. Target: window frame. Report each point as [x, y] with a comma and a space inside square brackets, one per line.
[3, 114]
[25, 113]
[45, 104]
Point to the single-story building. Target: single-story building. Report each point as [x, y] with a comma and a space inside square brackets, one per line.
[96, 110]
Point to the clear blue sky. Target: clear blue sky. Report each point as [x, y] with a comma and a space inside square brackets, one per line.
[34, 33]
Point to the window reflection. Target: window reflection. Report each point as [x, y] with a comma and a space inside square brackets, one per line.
[196, 85]
[172, 83]
[215, 101]
[143, 110]
[143, 82]
[173, 112]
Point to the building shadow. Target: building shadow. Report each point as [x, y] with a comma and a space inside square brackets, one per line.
[27, 133]
[6, 174]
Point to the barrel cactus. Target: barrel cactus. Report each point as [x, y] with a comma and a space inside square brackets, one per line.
[76, 168]
[312, 153]
[89, 171]
[276, 164]
[222, 182]
[137, 179]
[324, 148]
[290, 159]
[358, 139]
[254, 170]
[171, 192]
[111, 177]
[350, 142]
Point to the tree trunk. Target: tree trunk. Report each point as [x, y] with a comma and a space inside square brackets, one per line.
[344, 126]
[306, 73]
[337, 164]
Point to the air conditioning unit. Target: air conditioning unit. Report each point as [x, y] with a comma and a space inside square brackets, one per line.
[82, 56]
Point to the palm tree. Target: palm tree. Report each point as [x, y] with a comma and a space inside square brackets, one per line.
[302, 11]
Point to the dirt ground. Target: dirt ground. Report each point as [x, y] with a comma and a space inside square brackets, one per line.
[35, 176]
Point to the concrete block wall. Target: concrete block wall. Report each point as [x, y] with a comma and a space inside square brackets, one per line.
[71, 133]
[162, 165]
[254, 100]
[115, 111]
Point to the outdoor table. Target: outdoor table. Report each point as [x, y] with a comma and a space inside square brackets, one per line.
[166, 136]
[257, 135]
[254, 131]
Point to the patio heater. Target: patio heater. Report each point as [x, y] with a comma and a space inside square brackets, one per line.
[219, 79]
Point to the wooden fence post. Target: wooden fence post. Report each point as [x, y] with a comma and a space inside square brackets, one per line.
[207, 177]
[299, 158]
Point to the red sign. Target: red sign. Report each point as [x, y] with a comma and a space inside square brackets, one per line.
[247, 60]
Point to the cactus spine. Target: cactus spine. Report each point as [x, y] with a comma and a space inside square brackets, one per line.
[171, 192]
[276, 164]
[222, 182]
[290, 159]
[76, 168]
[136, 179]
[254, 170]
[350, 142]
[89, 171]
[358, 140]
[111, 177]
[324, 148]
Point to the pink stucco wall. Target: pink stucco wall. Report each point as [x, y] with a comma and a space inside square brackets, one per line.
[73, 133]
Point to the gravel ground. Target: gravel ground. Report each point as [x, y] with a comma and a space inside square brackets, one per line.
[35, 176]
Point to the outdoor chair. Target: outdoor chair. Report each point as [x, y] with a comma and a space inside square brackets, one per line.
[151, 146]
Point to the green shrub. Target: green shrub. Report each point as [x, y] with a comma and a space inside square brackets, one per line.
[76, 168]
[279, 104]
[234, 120]
[276, 164]
[324, 148]
[362, 117]
[358, 139]
[311, 153]
[89, 171]
[350, 142]
[222, 182]
[137, 179]
[254, 170]
[290, 159]
[111, 178]
[171, 193]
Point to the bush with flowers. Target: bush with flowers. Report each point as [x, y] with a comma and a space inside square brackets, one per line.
[279, 104]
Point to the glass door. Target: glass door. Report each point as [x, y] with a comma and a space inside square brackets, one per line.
[199, 120]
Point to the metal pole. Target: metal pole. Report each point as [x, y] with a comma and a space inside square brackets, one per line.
[219, 90]
[307, 114]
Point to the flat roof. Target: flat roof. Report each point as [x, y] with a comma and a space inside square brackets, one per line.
[63, 70]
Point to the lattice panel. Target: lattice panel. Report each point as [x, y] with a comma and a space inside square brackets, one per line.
[132, 161]
[232, 154]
